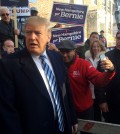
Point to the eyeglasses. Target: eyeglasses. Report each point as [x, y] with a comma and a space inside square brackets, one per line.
[5, 14]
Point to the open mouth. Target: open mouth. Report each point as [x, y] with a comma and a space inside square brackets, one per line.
[33, 45]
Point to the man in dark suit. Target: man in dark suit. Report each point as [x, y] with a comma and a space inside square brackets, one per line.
[27, 105]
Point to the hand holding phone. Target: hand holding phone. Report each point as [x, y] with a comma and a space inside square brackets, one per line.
[102, 57]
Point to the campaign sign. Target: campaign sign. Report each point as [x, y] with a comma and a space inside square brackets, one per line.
[75, 34]
[17, 3]
[68, 13]
[21, 21]
[21, 11]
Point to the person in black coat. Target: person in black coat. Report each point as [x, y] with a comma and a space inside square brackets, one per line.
[109, 97]
[26, 102]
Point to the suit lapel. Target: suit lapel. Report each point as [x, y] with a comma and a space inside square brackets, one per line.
[32, 72]
[55, 63]
[60, 79]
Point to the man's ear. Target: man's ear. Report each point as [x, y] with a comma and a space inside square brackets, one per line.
[49, 36]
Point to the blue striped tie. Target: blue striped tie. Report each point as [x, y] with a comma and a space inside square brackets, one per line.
[52, 83]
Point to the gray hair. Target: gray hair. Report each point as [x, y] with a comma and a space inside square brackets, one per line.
[3, 8]
[37, 20]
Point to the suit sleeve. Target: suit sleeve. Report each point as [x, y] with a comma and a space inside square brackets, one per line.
[70, 102]
[9, 117]
[100, 92]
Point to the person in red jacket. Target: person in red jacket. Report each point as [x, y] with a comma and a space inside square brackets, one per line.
[81, 73]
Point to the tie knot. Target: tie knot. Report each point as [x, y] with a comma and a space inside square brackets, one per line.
[42, 57]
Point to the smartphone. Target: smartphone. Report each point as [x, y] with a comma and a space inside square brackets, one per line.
[102, 57]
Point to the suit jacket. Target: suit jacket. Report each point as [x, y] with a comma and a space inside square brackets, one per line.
[25, 105]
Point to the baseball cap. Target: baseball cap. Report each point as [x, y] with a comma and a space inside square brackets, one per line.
[33, 9]
[67, 45]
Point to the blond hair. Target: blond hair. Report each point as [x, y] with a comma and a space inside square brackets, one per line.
[37, 20]
[100, 44]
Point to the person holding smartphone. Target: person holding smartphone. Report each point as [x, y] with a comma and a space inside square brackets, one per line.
[81, 72]
[94, 55]
[109, 97]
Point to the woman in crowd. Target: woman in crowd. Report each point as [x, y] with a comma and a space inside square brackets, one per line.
[92, 55]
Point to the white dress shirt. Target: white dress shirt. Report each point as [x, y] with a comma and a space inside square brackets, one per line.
[39, 66]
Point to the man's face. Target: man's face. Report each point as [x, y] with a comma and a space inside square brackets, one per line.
[37, 38]
[68, 55]
[102, 33]
[94, 37]
[5, 16]
[34, 13]
[8, 46]
[118, 41]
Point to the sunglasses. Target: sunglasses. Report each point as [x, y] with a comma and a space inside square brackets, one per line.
[5, 14]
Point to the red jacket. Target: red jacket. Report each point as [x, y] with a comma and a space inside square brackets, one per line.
[80, 73]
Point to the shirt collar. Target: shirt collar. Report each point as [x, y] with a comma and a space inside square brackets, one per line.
[36, 57]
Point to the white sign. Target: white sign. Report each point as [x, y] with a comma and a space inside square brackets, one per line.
[98, 127]
[21, 11]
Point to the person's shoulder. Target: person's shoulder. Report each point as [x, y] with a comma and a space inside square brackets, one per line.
[81, 51]
[87, 41]
[110, 52]
[87, 54]
[84, 64]
[15, 55]
[81, 60]
[100, 36]
[54, 53]
[1, 22]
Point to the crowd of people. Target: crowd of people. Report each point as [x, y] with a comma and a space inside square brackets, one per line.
[45, 88]
[7, 30]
